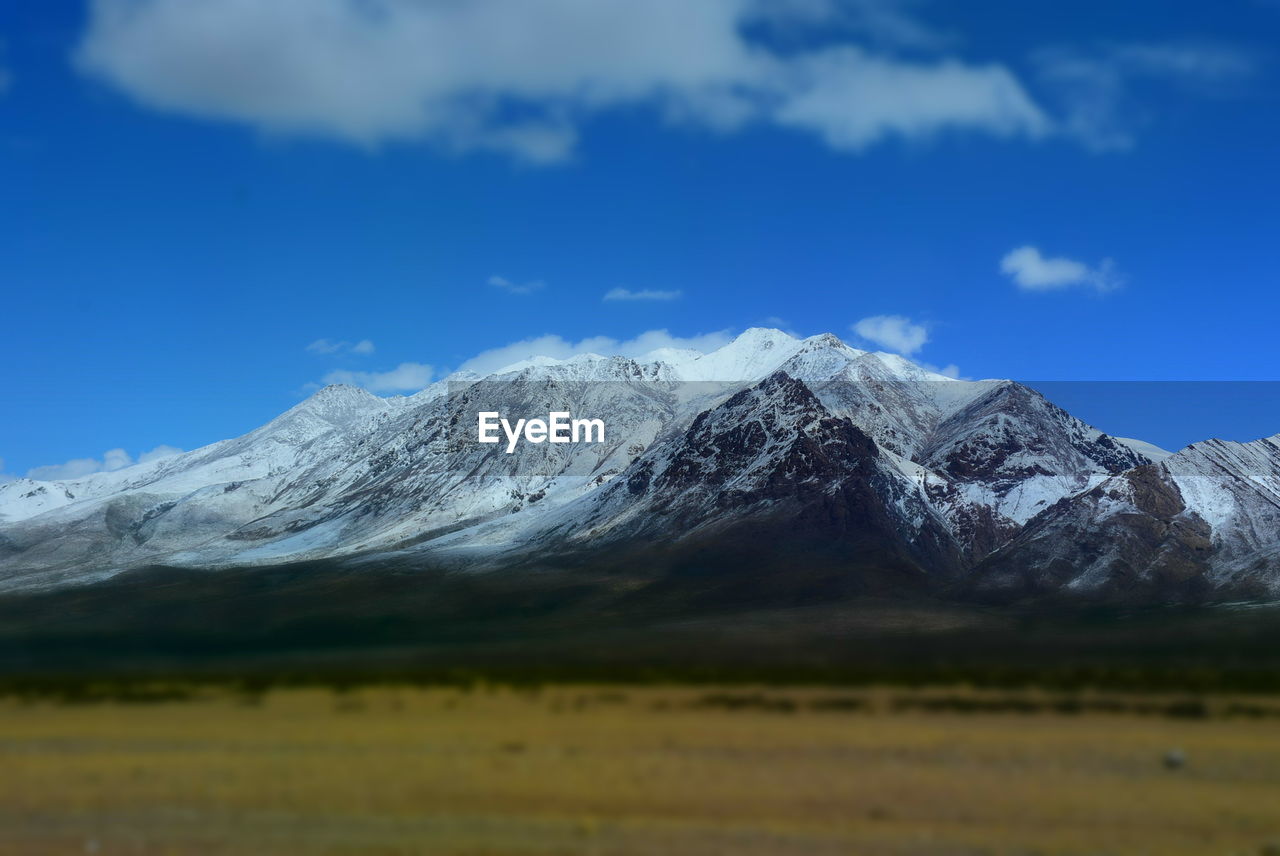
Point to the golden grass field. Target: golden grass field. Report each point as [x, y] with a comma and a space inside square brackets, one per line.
[624, 771]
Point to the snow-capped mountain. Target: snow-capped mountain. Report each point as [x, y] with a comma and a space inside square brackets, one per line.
[767, 448]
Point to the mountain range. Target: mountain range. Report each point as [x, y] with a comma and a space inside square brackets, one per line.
[758, 462]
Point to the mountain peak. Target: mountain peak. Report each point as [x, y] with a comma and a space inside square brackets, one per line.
[757, 352]
[338, 390]
[826, 340]
[762, 337]
[340, 395]
[336, 403]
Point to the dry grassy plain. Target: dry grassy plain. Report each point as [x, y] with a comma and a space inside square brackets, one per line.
[625, 771]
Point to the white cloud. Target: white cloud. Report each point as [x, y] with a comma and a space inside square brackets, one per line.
[521, 77]
[406, 377]
[852, 99]
[644, 294]
[116, 459]
[1097, 88]
[327, 347]
[883, 22]
[562, 349]
[73, 469]
[1032, 271]
[516, 287]
[1194, 63]
[5, 477]
[893, 332]
[112, 459]
[158, 453]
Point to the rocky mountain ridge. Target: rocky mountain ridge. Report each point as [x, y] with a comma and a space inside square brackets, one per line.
[768, 450]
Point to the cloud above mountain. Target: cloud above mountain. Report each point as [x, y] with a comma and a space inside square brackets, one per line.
[521, 77]
[406, 377]
[893, 332]
[1031, 270]
[409, 377]
[111, 460]
[560, 348]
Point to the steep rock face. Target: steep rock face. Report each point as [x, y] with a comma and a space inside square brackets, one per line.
[1132, 535]
[1206, 519]
[1012, 451]
[771, 471]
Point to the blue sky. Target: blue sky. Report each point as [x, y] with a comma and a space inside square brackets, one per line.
[196, 193]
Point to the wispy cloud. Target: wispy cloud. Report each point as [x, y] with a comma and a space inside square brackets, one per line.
[111, 460]
[158, 453]
[511, 287]
[1030, 270]
[560, 348]
[1099, 90]
[950, 370]
[884, 23]
[328, 347]
[406, 377]
[643, 294]
[853, 99]
[450, 73]
[74, 469]
[1195, 63]
[893, 332]
[6, 80]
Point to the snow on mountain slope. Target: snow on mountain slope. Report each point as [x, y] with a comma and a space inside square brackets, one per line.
[1205, 518]
[751, 356]
[422, 473]
[346, 473]
[148, 512]
[275, 447]
[1150, 451]
[23, 498]
[1235, 488]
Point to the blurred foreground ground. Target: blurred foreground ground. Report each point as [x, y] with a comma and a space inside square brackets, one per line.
[691, 770]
